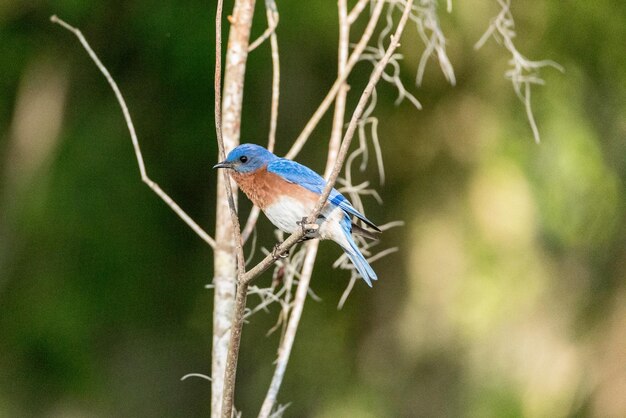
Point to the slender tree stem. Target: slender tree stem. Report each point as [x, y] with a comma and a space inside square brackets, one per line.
[228, 254]
[233, 350]
[284, 350]
[358, 111]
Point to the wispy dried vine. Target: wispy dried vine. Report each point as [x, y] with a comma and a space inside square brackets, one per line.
[429, 29]
[523, 72]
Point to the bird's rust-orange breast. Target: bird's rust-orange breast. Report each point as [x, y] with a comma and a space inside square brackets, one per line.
[263, 187]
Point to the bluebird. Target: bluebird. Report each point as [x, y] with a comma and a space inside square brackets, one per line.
[287, 191]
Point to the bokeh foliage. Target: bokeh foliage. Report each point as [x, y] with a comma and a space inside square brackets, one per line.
[508, 294]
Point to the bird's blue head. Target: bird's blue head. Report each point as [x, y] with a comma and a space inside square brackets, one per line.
[246, 158]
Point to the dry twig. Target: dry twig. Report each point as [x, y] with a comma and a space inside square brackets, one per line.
[228, 276]
[133, 135]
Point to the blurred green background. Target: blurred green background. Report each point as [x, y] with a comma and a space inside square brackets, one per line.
[507, 297]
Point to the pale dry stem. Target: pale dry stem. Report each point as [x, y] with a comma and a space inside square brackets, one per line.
[310, 253]
[231, 246]
[133, 135]
[272, 20]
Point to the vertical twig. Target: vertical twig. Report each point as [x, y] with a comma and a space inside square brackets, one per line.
[228, 401]
[272, 20]
[228, 254]
[284, 350]
[358, 111]
[356, 11]
[340, 101]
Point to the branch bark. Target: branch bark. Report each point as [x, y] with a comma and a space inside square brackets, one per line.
[284, 351]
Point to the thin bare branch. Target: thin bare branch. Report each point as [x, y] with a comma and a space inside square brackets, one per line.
[133, 135]
[233, 349]
[356, 11]
[217, 80]
[358, 111]
[340, 101]
[271, 28]
[272, 18]
[279, 411]
[229, 273]
[225, 264]
[284, 351]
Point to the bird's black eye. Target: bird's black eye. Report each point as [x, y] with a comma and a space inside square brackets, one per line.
[243, 159]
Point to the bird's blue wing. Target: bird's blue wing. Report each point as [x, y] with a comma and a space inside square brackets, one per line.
[297, 173]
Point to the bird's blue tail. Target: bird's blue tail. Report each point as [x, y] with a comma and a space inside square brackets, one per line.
[361, 264]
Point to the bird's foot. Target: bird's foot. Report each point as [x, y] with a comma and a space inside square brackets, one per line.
[277, 254]
[308, 228]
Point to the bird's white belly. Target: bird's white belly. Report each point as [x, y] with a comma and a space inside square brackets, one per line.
[286, 212]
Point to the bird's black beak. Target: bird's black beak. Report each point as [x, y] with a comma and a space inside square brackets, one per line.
[223, 164]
